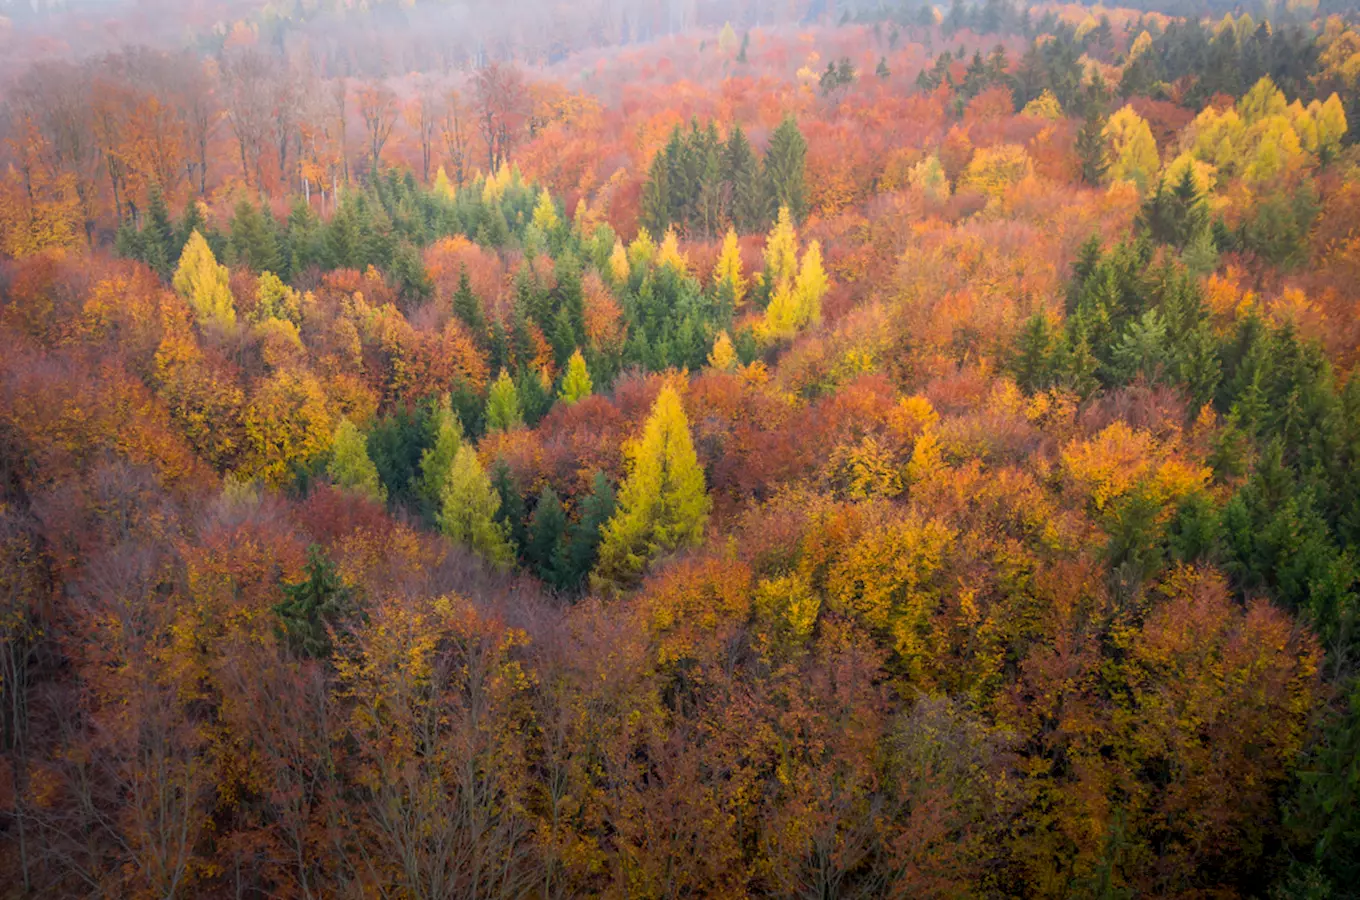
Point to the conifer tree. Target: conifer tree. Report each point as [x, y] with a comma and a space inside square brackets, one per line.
[1093, 147]
[545, 548]
[468, 509]
[534, 389]
[252, 242]
[313, 606]
[656, 194]
[810, 287]
[583, 546]
[785, 168]
[781, 252]
[503, 411]
[467, 307]
[158, 248]
[511, 515]
[437, 460]
[749, 203]
[204, 284]
[663, 505]
[723, 356]
[727, 275]
[545, 213]
[350, 466]
[576, 383]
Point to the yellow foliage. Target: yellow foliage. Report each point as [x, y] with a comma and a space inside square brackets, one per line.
[670, 255]
[1046, 105]
[728, 268]
[994, 169]
[1133, 151]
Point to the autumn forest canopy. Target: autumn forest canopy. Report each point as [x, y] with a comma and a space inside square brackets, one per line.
[690, 449]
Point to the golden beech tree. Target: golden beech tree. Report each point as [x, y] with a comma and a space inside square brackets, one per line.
[663, 504]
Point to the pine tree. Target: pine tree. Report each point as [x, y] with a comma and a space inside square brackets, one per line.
[502, 405]
[576, 383]
[350, 466]
[204, 284]
[583, 546]
[545, 548]
[534, 389]
[436, 462]
[663, 505]
[468, 509]
[785, 169]
[1034, 354]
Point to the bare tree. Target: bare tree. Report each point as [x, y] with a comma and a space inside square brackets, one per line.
[248, 83]
[502, 109]
[378, 106]
[456, 131]
[424, 116]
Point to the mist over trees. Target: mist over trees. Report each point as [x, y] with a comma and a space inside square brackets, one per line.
[750, 449]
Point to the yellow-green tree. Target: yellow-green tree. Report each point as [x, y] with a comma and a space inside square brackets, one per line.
[993, 170]
[669, 254]
[275, 300]
[545, 213]
[663, 505]
[1133, 150]
[727, 273]
[437, 460]
[576, 384]
[204, 284]
[781, 251]
[468, 507]
[502, 405]
[1045, 106]
[350, 466]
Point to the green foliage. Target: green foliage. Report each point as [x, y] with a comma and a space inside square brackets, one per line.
[350, 467]
[545, 547]
[314, 607]
[503, 411]
[469, 510]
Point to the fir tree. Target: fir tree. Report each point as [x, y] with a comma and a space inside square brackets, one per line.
[785, 164]
[511, 514]
[749, 204]
[1092, 147]
[314, 606]
[584, 544]
[467, 307]
[252, 241]
[545, 548]
[158, 246]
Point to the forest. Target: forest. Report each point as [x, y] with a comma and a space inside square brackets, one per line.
[822, 449]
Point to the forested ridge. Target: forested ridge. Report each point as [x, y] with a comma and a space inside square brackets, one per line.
[659, 450]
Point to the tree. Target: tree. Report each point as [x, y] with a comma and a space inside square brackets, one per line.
[576, 383]
[785, 168]
[545, 549]
[350, 466]
[583, 545]
[1092, 147]
[748, 197]
[314, 606]
[204, 284]
[467, 307]
[663, 505]
[727, 277]
[436, 462]
[502, 405]
[378, 107]
[502, 102]
[468, 508]
[1133, 151]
